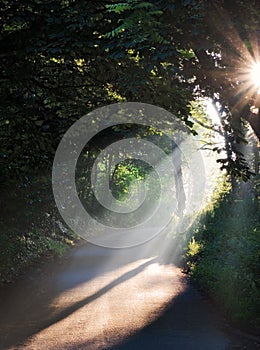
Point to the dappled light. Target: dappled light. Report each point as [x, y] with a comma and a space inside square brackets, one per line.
[130, 179]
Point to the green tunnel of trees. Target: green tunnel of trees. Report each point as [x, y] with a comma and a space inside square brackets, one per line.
[61, 59]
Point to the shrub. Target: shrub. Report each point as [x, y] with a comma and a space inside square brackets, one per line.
[223, 255]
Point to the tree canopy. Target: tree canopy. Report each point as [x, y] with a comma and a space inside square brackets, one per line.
[62, 58]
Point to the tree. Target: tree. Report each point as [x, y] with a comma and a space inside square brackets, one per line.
[62, 58]
[52, 73]
[200, 47]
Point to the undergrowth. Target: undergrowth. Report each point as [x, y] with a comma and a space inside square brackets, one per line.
[30, 228]
[223, 253]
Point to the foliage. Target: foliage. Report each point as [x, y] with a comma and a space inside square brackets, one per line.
[30, 228]
[52, 73]
[199, 47]
[223, 255]
[61, 59]
[126, 175]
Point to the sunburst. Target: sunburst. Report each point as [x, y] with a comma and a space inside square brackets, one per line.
[255, 75]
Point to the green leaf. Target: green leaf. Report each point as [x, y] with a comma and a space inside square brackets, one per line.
[38, 122]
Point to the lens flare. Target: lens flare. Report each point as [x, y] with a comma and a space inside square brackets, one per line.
[171, 193]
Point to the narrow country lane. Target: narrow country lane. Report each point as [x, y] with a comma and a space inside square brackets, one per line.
[97, 298]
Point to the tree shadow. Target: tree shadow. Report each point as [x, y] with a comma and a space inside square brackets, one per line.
[26, 307]
[188, 323]
[26, 330]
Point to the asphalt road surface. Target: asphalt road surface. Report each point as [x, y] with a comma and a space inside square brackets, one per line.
[96, 298]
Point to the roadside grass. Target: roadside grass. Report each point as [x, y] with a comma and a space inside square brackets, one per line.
[223, 255]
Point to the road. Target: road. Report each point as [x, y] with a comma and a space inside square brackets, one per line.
[96, 298]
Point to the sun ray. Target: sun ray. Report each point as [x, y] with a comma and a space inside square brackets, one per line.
[255, 74]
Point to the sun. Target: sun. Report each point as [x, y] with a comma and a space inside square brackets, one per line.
[255, 74]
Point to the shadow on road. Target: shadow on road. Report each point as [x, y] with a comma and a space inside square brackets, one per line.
[26, 307]
[188, 323]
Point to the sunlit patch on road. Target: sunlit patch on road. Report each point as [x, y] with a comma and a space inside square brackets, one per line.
[109, 307]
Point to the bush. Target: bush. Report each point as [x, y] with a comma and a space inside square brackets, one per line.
[29, 227]
[223, 255]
